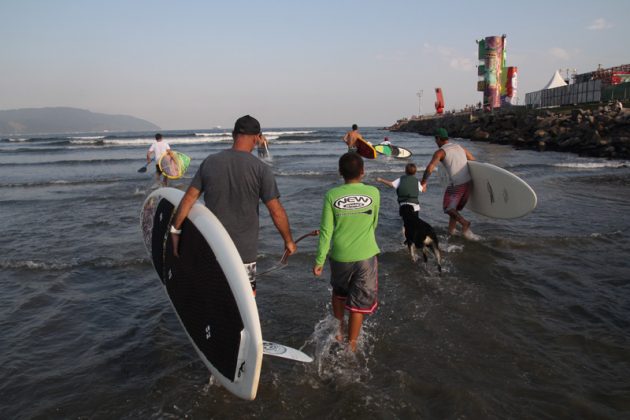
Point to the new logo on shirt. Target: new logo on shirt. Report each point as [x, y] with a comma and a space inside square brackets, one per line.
[353, 202]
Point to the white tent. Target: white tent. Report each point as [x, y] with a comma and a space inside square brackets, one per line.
[556, 81]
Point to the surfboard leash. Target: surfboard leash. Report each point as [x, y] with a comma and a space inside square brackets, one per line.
[285, 256]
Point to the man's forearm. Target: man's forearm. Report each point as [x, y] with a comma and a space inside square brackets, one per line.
[280, 219]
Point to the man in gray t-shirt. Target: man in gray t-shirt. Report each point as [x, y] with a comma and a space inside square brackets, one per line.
[232, 182]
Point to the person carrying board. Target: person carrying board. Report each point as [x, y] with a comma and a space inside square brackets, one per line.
[263, 149]
[157, 149]
[351, 137]
[455, 159]
[233, 182]
[349, 219]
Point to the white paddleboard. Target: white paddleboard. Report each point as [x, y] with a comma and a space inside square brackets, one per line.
[209, 290]
[498, 193]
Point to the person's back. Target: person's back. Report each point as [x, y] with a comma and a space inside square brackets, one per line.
[408, 189]
[351, 138]
[350, 223]
[156, 150]
[455, 159]
[233, 183]
[349, 219]
[456, 163]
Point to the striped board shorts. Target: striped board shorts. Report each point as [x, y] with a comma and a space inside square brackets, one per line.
[456, 196]
[250, 269]
[356, 283]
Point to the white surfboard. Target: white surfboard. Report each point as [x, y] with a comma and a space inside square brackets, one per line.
[209, 290]
[498, 193]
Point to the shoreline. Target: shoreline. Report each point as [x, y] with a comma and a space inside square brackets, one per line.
[594, 131]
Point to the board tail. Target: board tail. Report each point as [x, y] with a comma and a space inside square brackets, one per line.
[285, 352]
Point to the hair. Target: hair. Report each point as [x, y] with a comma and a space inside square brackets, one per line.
[410, 169]
[355, 127]
[350, 165]
[158, 136]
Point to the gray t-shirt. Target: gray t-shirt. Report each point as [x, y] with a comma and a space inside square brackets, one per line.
[232, 183]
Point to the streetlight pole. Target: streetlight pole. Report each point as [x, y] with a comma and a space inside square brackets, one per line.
[419, 94]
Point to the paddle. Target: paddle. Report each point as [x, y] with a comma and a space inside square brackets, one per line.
[285, 257]
[144, 168]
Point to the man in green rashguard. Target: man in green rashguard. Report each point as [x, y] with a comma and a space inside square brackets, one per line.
[349, 219]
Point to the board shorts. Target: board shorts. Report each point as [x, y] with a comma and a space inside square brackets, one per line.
[250, 269]
[356, 283]
[456, 196]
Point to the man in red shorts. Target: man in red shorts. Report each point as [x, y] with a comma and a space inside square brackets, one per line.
[455, 159]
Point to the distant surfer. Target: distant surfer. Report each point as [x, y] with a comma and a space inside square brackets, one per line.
[351, 138]
[455, 159]
[386, 142]
[349, 219]
[263, 149]
[157, 149]
[233, 182]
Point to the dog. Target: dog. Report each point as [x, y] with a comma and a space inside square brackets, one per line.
[420, 235]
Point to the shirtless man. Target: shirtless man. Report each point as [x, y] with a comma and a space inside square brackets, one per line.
[455, 159]
[351, 138]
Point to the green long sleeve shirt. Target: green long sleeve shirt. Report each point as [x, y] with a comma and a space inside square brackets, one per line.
[349, 219]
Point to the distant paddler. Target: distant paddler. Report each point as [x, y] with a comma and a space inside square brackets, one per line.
[351, 138]
[263, 149]
[157, 149]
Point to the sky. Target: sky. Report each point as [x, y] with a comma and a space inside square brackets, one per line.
[290, 63]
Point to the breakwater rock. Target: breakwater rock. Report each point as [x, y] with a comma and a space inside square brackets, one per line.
[599, 131]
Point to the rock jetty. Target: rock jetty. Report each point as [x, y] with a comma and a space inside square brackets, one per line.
[598, 131]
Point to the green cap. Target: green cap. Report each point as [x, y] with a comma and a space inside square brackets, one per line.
[441, 133]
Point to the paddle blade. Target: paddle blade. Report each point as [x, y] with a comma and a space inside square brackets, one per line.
[143, 169]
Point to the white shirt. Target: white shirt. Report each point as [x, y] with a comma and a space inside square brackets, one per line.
[159, 148]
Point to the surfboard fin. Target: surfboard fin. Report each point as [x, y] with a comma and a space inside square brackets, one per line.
[285, 352]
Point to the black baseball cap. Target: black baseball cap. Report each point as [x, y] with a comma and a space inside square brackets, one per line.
[247, 125]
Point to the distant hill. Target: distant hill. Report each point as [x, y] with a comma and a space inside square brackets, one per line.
[67, 120]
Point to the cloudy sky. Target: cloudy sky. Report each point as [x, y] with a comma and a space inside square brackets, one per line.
[291, 63]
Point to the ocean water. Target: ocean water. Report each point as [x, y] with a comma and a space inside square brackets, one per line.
[531, 321]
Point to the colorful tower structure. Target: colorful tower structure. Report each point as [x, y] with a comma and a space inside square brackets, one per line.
[497, 82]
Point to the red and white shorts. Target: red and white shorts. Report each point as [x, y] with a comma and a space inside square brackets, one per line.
[456, 196]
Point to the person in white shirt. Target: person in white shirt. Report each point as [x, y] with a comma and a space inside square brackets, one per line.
[157, 149]
[455, 159]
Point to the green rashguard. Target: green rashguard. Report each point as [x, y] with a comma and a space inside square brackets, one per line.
[349, 219]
